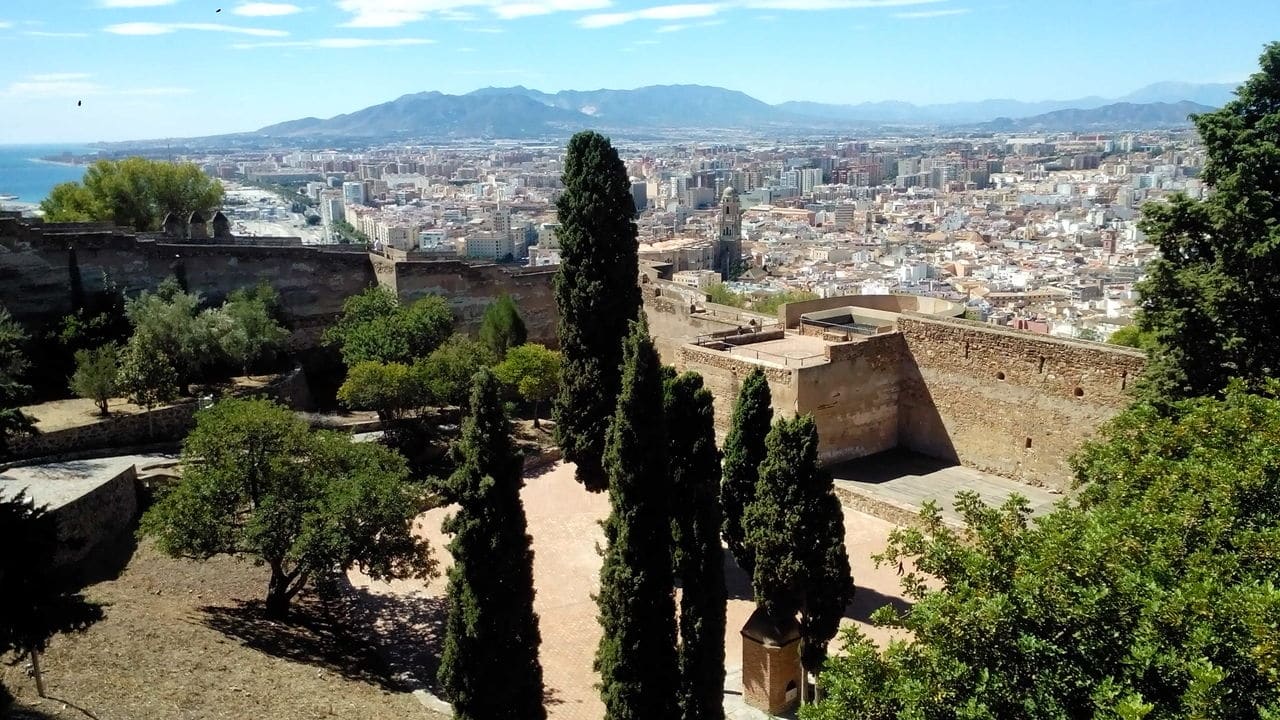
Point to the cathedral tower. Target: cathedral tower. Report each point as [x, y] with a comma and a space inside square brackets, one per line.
[729, 241]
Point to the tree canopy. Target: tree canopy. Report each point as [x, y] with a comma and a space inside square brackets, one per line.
[13, 422]
[97, 375]
[596, 294]
[744, 450]
[257, 482]
[135, 192]
[489, 667]
[795, 533]
[636, 657]
[502, 327]
[533, 372]
[1209, 299]
[698, 558]
[1153, 596]
[448, 370]
[375, 325]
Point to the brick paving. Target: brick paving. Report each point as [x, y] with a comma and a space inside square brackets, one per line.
[564, 522]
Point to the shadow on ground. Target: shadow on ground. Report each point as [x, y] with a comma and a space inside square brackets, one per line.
[318, 632]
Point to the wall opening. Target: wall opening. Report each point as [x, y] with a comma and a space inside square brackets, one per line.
[966, 348]
[1000, 375]
[1028, 444]
[1041, 368]
[1124, 380]
[1079, 392]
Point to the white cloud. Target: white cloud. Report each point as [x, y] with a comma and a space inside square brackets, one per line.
[394, 13]
[677, 27]
[76, 85]
[922, 14]
[660, 12]
[833, 4]
[265, 9]
[336, 43]
[134, 3]
[154, 28]
[485, 30]
[42, 33]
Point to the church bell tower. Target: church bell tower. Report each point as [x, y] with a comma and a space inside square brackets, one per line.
[729, 242]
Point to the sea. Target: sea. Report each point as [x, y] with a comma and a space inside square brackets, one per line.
[24, 174]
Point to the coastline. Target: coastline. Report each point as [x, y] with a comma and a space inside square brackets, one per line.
[43, 161]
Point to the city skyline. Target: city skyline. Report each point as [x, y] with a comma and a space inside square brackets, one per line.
[180, 68]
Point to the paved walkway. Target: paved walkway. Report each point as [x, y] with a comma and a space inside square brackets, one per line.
[906, 480]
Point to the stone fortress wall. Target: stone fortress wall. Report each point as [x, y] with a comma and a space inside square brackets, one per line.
[1008, 402]
[37, 261]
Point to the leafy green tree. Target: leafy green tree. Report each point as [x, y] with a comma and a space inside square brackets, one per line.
[1153, 595]
[147, 376]
[170, 321]
[375, 325]
[720, 294]
[34, 604]
[795, 531]
[489, 667]
[135, 192]
[1209, 298]
[533, 371]
[769, 304]
[744, 450]
[257, 482]
[502, 327]
[636, 658]
[597, 294]
[448, 370]
[1133, 336]
[13, 422]
[97, 375]
[252, 331]
[390, 389]
[697, 555]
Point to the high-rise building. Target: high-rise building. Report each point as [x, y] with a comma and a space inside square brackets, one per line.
[353, 193]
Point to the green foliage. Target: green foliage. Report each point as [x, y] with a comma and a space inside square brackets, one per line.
[769, 304]
[135, 192]
[533, 371]
[251, 331]
[636, 657]
[697, 555]
[489, 667]
[448, 370]
[97, 375]
[376, 326]
[257, 482]
[795, 531]
[744, 450]
[502, 327]
[170, 321]
[596, 294]
[13, 422]
[722, 295]
[1133, 336]
[34, 605]
[1152, 596]
[390, 389]
[1209, 298]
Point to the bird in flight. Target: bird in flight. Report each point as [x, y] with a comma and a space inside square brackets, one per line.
[79, 103]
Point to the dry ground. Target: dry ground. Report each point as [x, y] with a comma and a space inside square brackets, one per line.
[184, 640]
[62, 414]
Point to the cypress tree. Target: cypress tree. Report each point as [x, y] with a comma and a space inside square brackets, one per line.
[795, 530]
[596, 294]
[743, 452]
[698, 556]
[636, 657]
[489, 668]
[502, 327]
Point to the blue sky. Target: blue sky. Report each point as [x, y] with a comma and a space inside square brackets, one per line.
[160, 68]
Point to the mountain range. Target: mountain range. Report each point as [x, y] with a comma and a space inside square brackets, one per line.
[520, 112]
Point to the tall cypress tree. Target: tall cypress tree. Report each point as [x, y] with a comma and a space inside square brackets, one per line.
[490, 668]
[795, 530]
[743, 452]
[502, 327]
[596, 294]
[636, 657]
[698, 556]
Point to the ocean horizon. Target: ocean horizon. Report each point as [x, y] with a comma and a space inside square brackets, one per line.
[23, 173]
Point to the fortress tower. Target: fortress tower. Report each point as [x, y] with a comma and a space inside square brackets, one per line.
[729, 239]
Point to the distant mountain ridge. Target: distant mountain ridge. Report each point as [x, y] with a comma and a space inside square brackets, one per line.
[520, 112]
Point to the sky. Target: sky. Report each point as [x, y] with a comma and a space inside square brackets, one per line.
[181, 68]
